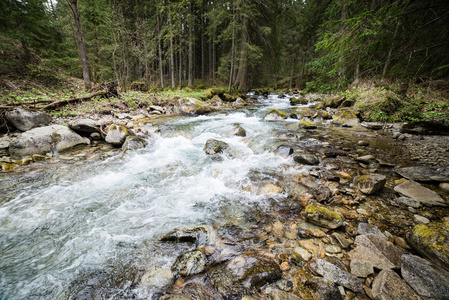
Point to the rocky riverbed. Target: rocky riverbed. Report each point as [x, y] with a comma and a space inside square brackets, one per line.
[345, 210]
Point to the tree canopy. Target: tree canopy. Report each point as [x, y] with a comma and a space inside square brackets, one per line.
[239, 43]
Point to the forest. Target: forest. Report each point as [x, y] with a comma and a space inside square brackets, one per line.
[323, 45]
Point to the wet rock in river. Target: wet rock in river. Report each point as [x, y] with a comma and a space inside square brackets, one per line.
[373, 125]
[283, 151]
[134, 143]
[84, 125]
[300, 254]
[156, 277]
[421, 173]
[203, 235]
[117, 134]
[213, 146]
[338, 276]
[420, 193]
[25, 120]
[345, 118]
[388, 285]
[298, 101]
[43, 140]
[365, 228]
[426, 278]
[322, 216]
[275, 115]
[376, 250]
[432, 241]
[306, 159]
[324, 290]
[370, 184]
[323, 193]
[406, 201]
[237, 131]
[307, 123]
[189, 263]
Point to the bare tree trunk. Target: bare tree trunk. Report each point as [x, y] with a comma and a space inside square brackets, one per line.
[387, 62]
[191, 45]
[161, 69]
[80, 41]
[231, 71]
[291, 73]
[180, 63]
[172, 63]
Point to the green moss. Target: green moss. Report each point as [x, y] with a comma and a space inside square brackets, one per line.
[434, 235]
[306, 123]
[324, 212]
[278, 112]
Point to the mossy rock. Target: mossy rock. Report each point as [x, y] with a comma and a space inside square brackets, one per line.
[275, 115]
[298, 101]
[300, 112]
[345, 118]
[214, 91]
[431, 241]
[323, 114]
[324, 217]
[306, 123]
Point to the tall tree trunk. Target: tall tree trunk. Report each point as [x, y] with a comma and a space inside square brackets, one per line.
[159, 42]
[387, 62]
[180, 63]
[190, 77]
[80, 41]
[290, 85]
[231, 71]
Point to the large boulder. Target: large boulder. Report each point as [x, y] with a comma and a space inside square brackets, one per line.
[370, 184]
[43, 140]
[25, 120]
[345, 118]
[427, 279]
[421, 173]
[117, 135]
[84, 125]
[275, 115]
[324, 217]
[389, 286]
[307, 123]
[134, 143]
[191, 106]
[376, 250]
[432, 241]
[419, 193]
[428, 127]
[213, 147]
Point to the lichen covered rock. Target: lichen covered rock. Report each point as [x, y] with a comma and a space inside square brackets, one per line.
[275, 115]
[322, 216]
[432, 241]
[117, 134]
[307, 123]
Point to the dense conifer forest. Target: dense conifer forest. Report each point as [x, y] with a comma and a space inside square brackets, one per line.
[310, 44]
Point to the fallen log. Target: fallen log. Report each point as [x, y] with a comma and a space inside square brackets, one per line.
[55, 104]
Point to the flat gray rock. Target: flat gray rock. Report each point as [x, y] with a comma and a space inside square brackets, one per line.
[389, 286]
[419, 193]
[336, 275]
[84, 125]
[42, 140]
[25, 120]
[424, 174]
[426, 278]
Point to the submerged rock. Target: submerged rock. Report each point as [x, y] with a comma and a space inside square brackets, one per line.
[275, 115]
[43, 140]
[25, 120]
[421, 173]
[426, 278]
[420, 193]
[370, 184]
[432, 241]
[283, 151]
[189, 263]
[213, 146]
[376, 250]
[306, 159]
[322, 216]
[324, 289]
[389, 286]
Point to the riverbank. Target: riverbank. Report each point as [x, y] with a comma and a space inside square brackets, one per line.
[278, 212]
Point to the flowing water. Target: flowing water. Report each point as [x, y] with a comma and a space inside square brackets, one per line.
[67, 226]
